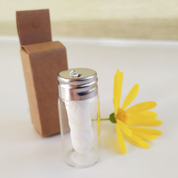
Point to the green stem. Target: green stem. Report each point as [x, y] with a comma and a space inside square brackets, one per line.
[105, 119]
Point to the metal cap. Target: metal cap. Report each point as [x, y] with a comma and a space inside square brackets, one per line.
[77, 84]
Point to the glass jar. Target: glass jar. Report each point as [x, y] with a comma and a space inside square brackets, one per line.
[79, 109]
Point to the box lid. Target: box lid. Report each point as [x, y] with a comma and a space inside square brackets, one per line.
[33, 26]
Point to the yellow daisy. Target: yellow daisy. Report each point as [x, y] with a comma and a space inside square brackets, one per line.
[137, 115]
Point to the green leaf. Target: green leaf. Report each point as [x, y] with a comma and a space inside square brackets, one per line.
[112, 118]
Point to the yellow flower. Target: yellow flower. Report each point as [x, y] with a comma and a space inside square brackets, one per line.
[137, 115]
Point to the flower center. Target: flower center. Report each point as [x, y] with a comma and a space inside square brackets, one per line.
[121, 115]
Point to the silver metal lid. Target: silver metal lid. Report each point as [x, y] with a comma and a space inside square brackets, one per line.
[78, 84]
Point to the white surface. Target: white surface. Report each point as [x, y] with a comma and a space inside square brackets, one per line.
[24, 154]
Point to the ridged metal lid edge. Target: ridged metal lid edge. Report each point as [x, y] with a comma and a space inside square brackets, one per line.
[77, 84]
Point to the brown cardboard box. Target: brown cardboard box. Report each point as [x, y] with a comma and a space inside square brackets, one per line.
[42, 60]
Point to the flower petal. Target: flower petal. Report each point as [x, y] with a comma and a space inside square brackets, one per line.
[130, 97]
[124, 128]
[139, 141]
[146, 130]
[141, 107]
[145, 136]
[117, 90]
[144, 122]
[120, 139]
[99, 116]
[143, 115]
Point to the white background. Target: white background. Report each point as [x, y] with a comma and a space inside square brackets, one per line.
[151, 64]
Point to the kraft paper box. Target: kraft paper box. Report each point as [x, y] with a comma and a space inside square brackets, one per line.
[42, 61]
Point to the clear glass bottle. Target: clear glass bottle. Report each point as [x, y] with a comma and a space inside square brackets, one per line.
[79, 110]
